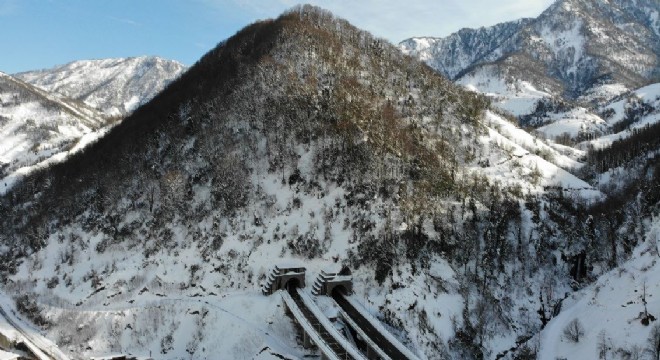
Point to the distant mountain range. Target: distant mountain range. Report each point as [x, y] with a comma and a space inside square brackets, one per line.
[572, 47]
[36, 125]
[560, 71]
[115, 87]
[46, 115]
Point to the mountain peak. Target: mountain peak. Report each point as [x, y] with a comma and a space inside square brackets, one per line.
[581, 43]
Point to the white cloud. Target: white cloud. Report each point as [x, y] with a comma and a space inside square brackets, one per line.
[125, 21]
[396, 20]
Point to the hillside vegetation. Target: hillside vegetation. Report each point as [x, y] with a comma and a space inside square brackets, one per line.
[305, 138]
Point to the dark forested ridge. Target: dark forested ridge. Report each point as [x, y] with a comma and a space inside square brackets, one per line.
[307, 117]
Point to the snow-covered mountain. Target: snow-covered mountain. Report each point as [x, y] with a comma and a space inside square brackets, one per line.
[37, 128]
[113, 86]
[558, 72]
[299, 139]
[455, 53]
[582, 44]
[303, 139]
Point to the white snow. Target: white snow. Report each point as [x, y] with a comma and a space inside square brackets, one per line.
[577, 120]
[311, 305]
[307, 326]
[516, 158]
[113, 86]
[31, 337]
[649, 95]
[8, 356]
[38, 128]
[610, 308]
[515, 96]
[568, 44]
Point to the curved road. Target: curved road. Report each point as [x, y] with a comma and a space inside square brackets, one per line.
[40, 349]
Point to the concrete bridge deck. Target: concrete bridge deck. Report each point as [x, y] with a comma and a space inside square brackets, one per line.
[318, 328]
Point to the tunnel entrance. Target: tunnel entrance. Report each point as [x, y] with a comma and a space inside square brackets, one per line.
[281, 277]
[328, 280]
[292, 284]
[338, 290]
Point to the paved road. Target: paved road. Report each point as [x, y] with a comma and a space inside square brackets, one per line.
[381, 341]
[43, 350]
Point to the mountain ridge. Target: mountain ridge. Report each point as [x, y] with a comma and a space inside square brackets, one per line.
[39, 127]
[115, 86]
[575, 57]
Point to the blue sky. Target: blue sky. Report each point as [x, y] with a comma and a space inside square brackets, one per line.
[42, 33]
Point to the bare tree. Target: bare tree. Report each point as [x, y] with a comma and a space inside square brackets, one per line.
[646, 317]
[603, 345]
[653, 343]
[635, 352]
[574, 331]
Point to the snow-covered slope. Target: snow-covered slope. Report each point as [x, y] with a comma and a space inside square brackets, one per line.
[37, 127]
[611, 311]
[529, 162]
[305, 139]
[113, 86]
[629, 113]
[514, 84]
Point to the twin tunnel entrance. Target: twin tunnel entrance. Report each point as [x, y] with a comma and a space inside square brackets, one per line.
[358, 327]
[332, 290]
[328, 282]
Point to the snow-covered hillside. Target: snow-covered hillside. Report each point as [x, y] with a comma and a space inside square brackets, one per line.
[113, 86]
[518, 158]
[631, 112]
[508, 91]
[286, 151]
[305, 140]
[614, 312]
[37, 127]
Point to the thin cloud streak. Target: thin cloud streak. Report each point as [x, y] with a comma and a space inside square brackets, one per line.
[125, 21]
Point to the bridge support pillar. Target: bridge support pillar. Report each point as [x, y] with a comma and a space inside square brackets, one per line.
[307, 342]
[371, 354]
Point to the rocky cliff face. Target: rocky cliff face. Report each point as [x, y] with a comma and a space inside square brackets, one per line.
[581, 43]
[457, 52]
